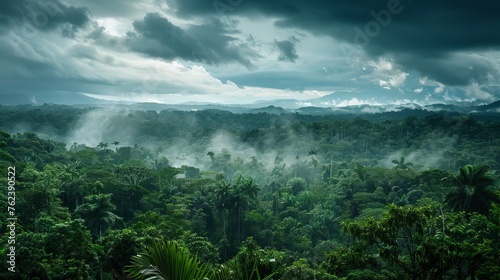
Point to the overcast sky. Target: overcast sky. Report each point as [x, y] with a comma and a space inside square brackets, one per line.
[240, 51]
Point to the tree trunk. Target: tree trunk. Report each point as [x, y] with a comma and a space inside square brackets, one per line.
[331, 166]
[238, 216]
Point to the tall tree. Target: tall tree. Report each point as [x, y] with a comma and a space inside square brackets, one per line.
[473, 190]
[402, 164]
[96, 211]
[243, 193]
[222, 206]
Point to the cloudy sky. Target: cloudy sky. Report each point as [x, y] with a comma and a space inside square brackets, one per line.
[240, 51]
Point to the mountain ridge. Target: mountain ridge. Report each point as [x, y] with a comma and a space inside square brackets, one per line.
[318, 106]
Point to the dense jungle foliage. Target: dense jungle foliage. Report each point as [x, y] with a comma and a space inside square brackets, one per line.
[113, 194]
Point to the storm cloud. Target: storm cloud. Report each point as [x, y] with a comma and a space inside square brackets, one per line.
[210, 43]
[412, 32]
[35, 15]
[240, 51]
[287, 49]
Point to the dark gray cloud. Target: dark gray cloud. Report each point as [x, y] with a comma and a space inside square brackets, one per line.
[431, 30]
[35, 15]
[109, 8]
[210, 43]
[287, 49]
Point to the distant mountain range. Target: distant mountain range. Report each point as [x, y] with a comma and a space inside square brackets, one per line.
[336, 103]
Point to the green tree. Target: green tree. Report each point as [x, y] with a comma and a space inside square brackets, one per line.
[4, 154]
[119, 246]
[167, 261]
[417, 242]
[252, 262]
[400, 239]
[243, 194]
[102, 146]
[70, 252]
[468, 243]
[473, 190]
[434, 184]
[48, 183]
[222, 205]
[199, 246]
[96, 211]
[344, 259]
[30, 253]
[402, 164]
[296, 184]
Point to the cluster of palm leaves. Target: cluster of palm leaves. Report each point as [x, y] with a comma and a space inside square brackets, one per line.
[97, 212]
[474, 190]
[169, 261]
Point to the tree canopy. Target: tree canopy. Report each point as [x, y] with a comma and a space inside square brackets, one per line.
[217, 195]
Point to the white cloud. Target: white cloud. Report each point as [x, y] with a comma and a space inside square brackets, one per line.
[474, 91]
[172, 82]
[385, 74]
[425, 81]
[439, 89]
[353, 102]
[398, 79]
[382, 65]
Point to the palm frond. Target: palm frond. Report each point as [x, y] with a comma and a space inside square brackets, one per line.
[166, 261]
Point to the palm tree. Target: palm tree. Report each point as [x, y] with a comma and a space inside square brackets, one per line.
[473, 191]
[96, 211]
[248, 186]
[312, 151]
[169, 261]
[166, 261]
[401, 164]
[211, 155]
[116, 143]
[102, 145]
[222, 196]
[243, 193]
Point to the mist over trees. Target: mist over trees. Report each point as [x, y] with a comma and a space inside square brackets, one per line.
[106, 193]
